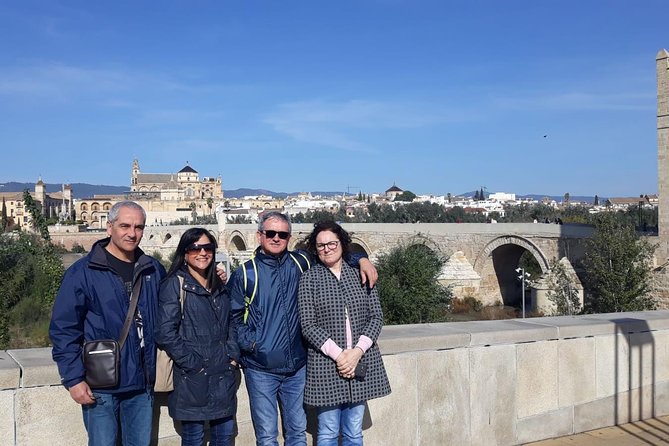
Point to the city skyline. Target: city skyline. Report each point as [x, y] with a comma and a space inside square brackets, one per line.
[435, 97]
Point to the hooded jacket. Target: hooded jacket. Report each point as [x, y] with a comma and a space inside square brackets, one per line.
[202, 342]
[92, 304]
[271, 338]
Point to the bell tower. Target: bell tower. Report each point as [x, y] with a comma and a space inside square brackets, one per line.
[662, 65]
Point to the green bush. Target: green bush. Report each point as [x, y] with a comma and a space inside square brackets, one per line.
[30, 274]
[408, 287]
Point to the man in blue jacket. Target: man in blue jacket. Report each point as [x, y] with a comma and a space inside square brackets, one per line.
[92, 304]
[269, 334]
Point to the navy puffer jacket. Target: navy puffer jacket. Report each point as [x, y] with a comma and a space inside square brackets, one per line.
[202, 342]
[92, 303]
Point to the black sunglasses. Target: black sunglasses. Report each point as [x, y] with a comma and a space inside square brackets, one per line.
[209, 247]
[283, 235]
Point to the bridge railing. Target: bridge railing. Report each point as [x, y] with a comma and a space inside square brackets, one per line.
[469, 383]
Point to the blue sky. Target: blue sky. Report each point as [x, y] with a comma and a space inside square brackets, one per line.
[435, 96]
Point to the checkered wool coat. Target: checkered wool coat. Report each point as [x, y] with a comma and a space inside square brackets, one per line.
[323, 301]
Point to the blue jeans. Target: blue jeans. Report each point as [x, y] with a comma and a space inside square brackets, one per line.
[264, 390]
[134, 411]
[221, 432]
[345, 418]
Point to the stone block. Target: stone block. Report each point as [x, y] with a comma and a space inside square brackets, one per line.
[10, 372]
[38, 369]
[642, 358]
[622, 408]
[7, 417]
[638, 321]
[504, 331]
[577, 381]
[47, 416]
[612, 364]
[558, 423]
[394, 418]
[493, 396]
[661, 399]
[443, 397]
[536, 378]
[577, 326]
[416, 337]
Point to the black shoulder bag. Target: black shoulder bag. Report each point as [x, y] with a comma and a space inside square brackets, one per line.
[102, 357]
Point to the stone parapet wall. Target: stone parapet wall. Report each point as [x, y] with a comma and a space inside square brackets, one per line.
[467, 383]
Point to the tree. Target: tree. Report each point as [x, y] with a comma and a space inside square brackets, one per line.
[39, 222]
[565, 199]
[210, 204]
[617, 265]
[408, 287]
[481, 195]
[562, 290]
[30, 273]
[449, 197]
[360, 197]
[407, 195]
[4, 222]
[596, 203]
[477, 197]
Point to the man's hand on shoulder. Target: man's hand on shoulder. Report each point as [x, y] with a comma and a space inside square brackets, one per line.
[221, 273]
[368, 272]
[82, 394]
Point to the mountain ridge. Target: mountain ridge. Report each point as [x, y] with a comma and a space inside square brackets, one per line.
[87, 190]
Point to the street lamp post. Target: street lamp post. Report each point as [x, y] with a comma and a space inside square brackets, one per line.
[523, 277]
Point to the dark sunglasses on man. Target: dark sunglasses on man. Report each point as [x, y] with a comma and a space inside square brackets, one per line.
[208, 247]
[283, 235]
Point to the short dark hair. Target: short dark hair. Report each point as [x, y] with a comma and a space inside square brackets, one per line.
[189, 237]
[336, 229]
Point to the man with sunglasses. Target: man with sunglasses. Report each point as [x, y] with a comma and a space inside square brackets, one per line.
[269, 333]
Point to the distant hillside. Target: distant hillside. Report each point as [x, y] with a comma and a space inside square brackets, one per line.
[245, 192]
[557, 198]
[85, 190]
[79, 190]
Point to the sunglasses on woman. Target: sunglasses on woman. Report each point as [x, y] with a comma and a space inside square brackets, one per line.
[194, 247]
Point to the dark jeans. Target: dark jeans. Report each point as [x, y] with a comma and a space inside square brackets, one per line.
[221, 432]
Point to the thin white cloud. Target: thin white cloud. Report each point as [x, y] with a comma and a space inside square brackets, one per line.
[59, 81]
[578, 101]
[335, 124]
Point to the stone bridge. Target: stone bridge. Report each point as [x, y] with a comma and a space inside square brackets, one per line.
[482, 257]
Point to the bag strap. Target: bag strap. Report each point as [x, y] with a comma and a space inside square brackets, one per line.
[134, 297]
[301, 260]
[182, 294]
[251, 277]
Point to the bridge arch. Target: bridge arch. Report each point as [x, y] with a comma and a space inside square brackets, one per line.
[236, 242]
[485, 253]
[496, 265]
[358, 245]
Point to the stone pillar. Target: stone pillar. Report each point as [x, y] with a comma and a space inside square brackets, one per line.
[662, 64]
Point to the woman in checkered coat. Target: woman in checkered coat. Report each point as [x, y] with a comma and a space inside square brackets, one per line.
[341, 321]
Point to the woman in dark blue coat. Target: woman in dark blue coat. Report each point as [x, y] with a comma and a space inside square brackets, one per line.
[200, 340]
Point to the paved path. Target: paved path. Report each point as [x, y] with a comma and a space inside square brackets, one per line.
[647, 432]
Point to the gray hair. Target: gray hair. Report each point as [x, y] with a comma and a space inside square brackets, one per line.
[114, 211]
[270, 215]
